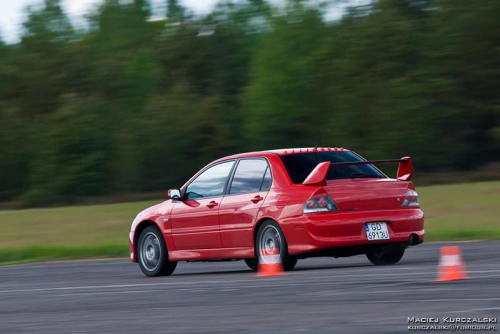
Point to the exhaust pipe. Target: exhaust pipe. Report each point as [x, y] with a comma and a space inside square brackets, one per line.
[412, 240]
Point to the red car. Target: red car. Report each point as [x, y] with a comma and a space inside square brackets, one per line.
[298, 202]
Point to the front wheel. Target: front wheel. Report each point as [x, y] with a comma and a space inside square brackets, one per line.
[384, 255]
[153, 255]
[271, 239]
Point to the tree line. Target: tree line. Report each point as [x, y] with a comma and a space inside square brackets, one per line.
[136, 104]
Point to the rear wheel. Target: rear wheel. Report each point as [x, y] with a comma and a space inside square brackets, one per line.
[152, 253]
[252, 264]
[384, 255]
[269, 238]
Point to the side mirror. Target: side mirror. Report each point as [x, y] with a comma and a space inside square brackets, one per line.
[174, 194]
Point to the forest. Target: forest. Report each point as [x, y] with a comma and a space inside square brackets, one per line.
[136, 103]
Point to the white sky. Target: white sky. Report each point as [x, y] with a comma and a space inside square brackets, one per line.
[12, 12]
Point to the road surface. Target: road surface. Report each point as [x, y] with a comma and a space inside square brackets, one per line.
[322, 295]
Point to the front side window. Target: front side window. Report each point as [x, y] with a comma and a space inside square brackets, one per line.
[211, 182]
[249, 176]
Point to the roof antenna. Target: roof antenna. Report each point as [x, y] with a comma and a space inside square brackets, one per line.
[316, 148]
[322, 137]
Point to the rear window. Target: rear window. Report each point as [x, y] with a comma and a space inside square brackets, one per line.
[299, 166]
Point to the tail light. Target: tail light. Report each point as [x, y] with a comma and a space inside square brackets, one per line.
[320, 204]
[411, 199]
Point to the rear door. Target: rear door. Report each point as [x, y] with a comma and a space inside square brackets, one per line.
[239, 207]
[195, 221]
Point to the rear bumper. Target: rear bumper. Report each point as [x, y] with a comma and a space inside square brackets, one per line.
[321, 231]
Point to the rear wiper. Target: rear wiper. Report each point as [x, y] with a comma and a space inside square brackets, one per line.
[363, 175]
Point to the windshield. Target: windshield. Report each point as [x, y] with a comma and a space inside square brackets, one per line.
[299, 166]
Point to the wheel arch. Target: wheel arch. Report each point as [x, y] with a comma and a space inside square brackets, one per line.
[141, 227]
[256, 230]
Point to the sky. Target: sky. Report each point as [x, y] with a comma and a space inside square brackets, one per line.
[12, 12]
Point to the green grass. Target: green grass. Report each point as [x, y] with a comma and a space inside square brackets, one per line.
[453, 212]
[461, 211]
[45, 253]
[75, 232]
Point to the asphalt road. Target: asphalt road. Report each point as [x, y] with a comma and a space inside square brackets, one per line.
[321, 295]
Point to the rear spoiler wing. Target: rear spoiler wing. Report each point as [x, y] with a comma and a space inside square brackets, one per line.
[319, 173]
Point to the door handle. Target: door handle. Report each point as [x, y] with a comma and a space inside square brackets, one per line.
[257, 199]
[212, 204]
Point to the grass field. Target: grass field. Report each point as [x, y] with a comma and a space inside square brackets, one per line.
[453, 212]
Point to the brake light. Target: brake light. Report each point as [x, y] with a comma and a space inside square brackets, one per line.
[411, 199]
[320, 204]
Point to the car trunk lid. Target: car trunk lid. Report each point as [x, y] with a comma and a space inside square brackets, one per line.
[362, 194]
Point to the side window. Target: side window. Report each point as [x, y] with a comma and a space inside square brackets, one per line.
[267, 181]
[248, 176]
[211, 182]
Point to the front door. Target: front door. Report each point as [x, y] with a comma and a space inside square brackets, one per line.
[195, 221]
[239, 208]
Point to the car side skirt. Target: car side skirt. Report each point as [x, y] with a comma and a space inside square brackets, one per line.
[211, 254]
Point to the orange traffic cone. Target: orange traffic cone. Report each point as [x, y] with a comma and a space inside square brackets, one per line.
[451, 266]
[270, 263]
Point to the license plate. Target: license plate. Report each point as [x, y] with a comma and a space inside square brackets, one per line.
[376, 231]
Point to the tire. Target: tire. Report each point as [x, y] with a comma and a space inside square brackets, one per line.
[385, 255]
[252, 264]
[152, 253]
[271, 235]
